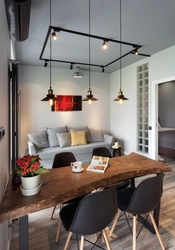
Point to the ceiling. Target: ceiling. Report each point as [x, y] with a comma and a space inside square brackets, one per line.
[147, 23]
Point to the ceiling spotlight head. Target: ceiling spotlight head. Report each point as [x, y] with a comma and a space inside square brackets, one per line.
[46, 63]
[104, 45]
[71, 66]
[54, 36]
[136, 52]
[103, 69]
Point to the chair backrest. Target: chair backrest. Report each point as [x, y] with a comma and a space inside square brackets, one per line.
[63, 159]
[147, 195]
[101, 151]
[95, 212]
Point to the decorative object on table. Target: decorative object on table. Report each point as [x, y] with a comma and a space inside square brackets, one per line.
[67, 103]
[98, 164]
[29, 168]
[76, 166]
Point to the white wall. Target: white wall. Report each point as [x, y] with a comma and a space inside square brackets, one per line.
[36, 115]
[123, 118]
[4, 146]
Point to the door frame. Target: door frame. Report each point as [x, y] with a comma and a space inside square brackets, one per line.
[154, 114]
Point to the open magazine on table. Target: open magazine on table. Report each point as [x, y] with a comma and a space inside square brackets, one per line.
[98, 164]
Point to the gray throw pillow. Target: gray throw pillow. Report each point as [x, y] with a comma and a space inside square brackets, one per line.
[64, 139]
[96, 135]
[39, 139]
[84, 128]
[53, 140]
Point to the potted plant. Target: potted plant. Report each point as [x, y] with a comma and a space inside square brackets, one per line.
[29, 168]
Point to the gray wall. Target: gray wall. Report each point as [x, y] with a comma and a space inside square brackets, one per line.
[166, 104]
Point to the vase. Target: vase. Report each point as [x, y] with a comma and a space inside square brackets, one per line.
[30, 185]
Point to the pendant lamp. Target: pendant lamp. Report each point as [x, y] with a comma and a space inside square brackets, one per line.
[89, 97]
[50, 97]
[120, 96]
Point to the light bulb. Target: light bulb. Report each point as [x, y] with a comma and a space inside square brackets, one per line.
[50, 102]
[90, 101]
[104, 45]
[54, 36]
[120, 101]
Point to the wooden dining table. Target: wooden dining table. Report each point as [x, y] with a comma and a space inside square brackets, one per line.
[61, 184]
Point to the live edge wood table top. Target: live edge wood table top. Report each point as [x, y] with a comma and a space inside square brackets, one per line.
[62, 184]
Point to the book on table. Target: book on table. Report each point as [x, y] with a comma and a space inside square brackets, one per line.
[98, 164]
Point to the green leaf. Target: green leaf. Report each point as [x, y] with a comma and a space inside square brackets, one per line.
[41, 170]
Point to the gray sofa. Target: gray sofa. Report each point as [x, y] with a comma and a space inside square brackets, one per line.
[78, 140]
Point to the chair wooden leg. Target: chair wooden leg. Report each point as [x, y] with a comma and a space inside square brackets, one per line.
[134, 233]
[68, 240]
[157, 231]
[58, 230]
[82, 243]
[53, 211]
[106, 240]
[115, 222]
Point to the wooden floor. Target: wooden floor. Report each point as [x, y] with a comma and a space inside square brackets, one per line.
[42, 229]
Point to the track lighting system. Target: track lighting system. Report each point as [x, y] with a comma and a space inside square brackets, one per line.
[53, 30]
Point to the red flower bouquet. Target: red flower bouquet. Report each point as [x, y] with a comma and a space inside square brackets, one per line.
[29, 165]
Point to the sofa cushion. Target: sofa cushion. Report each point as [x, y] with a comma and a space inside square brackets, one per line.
[96, 135]
[78, 138]
[64, 139]
[84, 128]
[52, 137]
[39, 139]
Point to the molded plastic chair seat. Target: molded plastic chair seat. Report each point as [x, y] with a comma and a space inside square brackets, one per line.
[62, 160]
[140, 200]
[92, 215]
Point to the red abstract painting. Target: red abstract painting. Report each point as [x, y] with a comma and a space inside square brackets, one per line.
[67, 103]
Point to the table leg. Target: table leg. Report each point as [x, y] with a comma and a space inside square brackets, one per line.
[23, 233]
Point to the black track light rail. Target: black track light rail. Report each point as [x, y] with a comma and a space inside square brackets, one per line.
[57, 29]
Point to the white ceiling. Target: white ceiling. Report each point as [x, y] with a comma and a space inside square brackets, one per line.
[150, 23]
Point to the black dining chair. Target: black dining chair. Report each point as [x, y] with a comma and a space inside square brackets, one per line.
[140, 200]
[92, 215]
[64, 159]
[103, 151]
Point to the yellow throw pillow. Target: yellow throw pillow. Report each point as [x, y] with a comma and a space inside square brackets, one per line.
[78, 138]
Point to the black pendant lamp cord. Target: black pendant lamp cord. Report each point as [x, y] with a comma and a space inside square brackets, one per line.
[120, 45]
[50, 47]
[89, 45]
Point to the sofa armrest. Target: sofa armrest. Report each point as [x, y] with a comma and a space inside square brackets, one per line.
[109, 138]
[32, 149]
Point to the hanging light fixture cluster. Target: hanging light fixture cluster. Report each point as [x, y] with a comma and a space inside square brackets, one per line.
[120, 96]
[89, 97]
[50, 97]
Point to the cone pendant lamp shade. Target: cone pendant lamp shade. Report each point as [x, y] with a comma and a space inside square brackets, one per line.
[89, 97]
[50, 97]
[120, 96]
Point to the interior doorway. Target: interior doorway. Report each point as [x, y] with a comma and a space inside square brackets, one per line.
[154, 114]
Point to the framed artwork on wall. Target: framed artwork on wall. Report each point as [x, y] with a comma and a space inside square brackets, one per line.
[67, 103]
